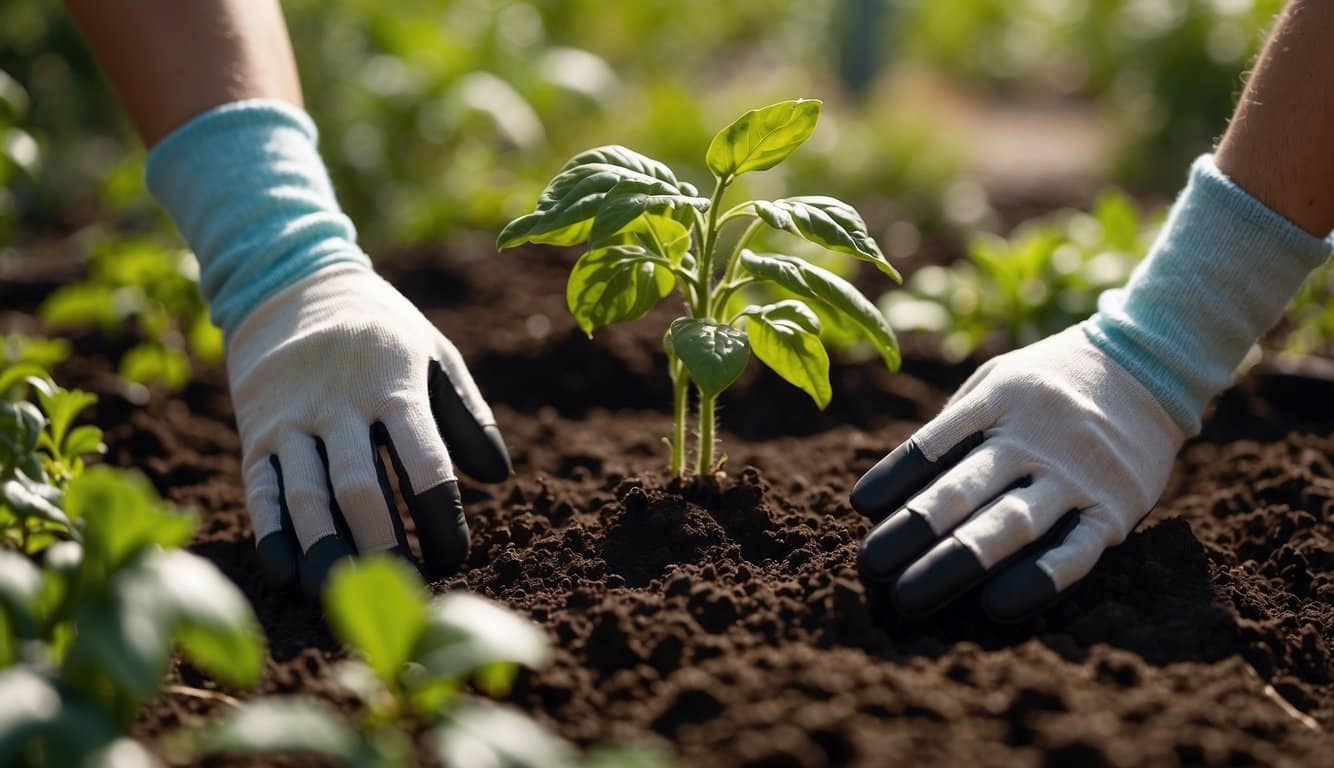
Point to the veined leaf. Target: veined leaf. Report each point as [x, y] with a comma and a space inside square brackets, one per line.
[786, 337]
[616, 284]
[576, 193]
[661, 235]
[827, 222]
[835, 293]
[762, 138]
[715, 354]
[377, 605]
[215, 624]
[629, 199]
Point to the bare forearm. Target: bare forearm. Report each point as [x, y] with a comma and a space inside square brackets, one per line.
[171, 60]
[1280, 145]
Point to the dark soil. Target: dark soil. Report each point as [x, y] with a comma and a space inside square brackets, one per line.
[729, 624]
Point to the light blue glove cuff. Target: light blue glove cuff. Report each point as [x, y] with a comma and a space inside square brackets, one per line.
[245, 184]
[1217, 278]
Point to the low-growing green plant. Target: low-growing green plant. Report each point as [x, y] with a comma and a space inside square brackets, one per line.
[412, 658]
[650, 233]
[95, 592]
[1311, 314]
[153, 288]
[1013, 291]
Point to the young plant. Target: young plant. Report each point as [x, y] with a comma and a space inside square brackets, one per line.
[41, 450]
[1012, 292]
[650, 233]
[141, 283]
[413, 656]
[86, 633]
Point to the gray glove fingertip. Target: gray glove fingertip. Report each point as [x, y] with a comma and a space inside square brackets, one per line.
[475, 443]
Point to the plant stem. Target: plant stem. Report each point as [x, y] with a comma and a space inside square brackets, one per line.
[680, 395]
[729, 274]
[705, 458]
[710, 242]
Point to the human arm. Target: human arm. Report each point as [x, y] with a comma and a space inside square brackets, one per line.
[326, 360]
[1051, 454]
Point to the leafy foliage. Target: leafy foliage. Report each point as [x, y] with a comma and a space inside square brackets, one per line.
[1011, 292]
[413, 656]
[95, 593]
[1310, 316]
[154, 289]
[650, 233]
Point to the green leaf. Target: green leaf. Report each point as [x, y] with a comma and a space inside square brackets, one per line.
[616, 284]
[81, 304]
[83, 440]
[466, 633]
[30, 498]
[631, 198]
[267, 726]
[155, 363]
[33, 711]
[833, 292]
[62, 406]
[1119, 219]
[205, 340]
[20, 587]
[786, 337]
[661, 235]
[122, 514]
[576, 193]
[490, 736]
[715, 354]
[215, 624]
[377, 605]
[762, 138]
[827, 222]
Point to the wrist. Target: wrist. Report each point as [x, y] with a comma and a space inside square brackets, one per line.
[245, 185]
[1217, 278]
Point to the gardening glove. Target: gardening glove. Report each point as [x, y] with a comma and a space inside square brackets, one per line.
[326, 360]
[1052, 453]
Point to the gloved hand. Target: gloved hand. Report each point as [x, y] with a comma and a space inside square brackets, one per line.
[1050, 454]
[326, 360]
[1044, 458]
[321, 373]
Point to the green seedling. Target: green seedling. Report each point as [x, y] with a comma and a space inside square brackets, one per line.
[153, 289]
[412, 659]
[87, 632]
[41, 448]
[650, 233]
[1013, 291]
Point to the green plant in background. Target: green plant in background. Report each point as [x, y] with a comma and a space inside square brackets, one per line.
[650, 233]
[1011, 292]
[20, 155]
[142, 284]
[95, 592]
[413, 656]
[1310, 316]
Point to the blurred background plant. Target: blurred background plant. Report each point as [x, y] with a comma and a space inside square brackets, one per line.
[442, 119]
[1013, 291]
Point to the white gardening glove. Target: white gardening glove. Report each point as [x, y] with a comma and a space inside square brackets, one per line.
[322, 372]
[1044, 458]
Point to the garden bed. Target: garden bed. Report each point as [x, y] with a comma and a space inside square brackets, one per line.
[729, 624]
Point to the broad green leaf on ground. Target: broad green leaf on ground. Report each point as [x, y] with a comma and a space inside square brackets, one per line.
[123, 514]
[715, 354]
[566, 206]
[155, 363]
[377, 606]
[215, 624]
[32, 709]
[661, 235]
[762, 138]
[491, 736]
[466, 633]
[278, 725]
[786, 337]
[631, 198]
[616, 284]
[822, 286]
[827, 222]
[154, 600]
